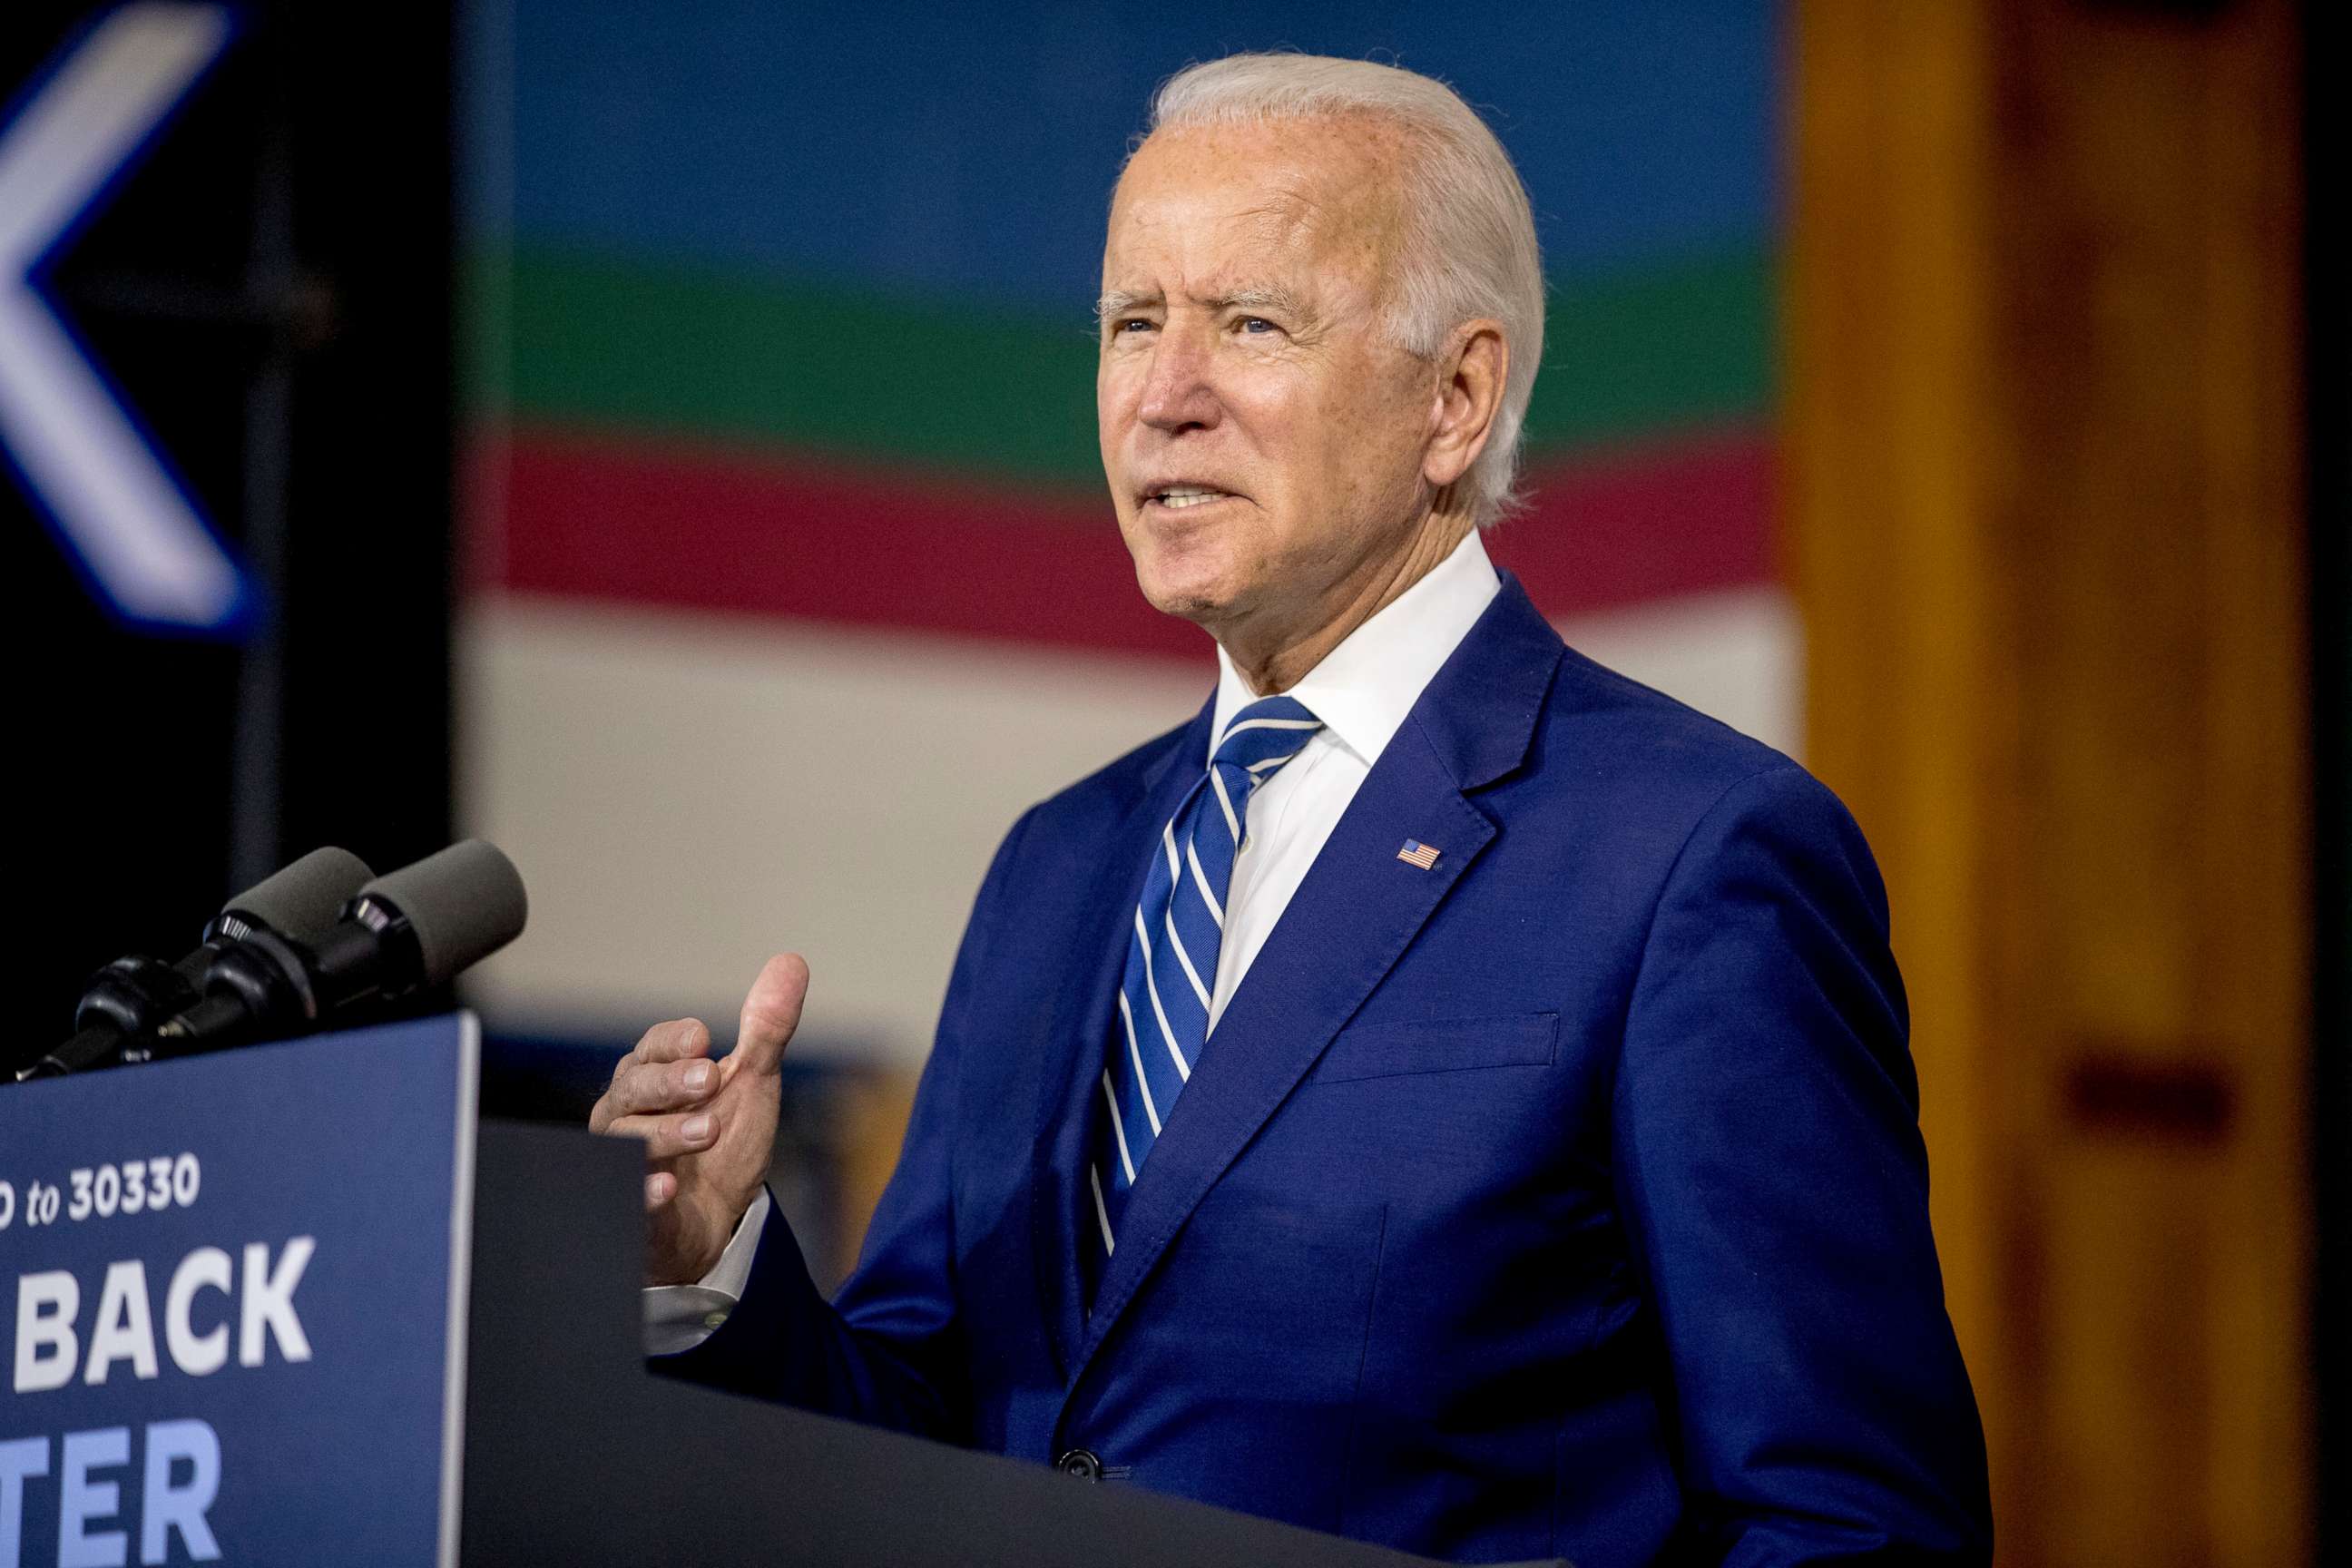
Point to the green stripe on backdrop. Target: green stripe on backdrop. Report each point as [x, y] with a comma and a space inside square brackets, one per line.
[1669, 347]
[814, 366]
[818, 365]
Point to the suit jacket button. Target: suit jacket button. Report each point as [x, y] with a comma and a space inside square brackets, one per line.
[1080, 1463]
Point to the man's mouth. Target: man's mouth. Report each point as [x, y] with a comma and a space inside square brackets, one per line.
[1178, 496]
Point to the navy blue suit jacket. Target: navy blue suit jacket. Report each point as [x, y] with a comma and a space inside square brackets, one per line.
[1566, 1196]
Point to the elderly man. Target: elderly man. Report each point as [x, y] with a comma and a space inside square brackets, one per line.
[1446, 1093]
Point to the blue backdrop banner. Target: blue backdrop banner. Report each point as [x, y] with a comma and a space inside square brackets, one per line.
[235, 1295]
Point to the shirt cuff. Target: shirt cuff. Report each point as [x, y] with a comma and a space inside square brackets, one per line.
[681, 1317]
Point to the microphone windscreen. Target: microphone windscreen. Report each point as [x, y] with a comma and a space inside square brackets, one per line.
[463, 904]
[304, 897]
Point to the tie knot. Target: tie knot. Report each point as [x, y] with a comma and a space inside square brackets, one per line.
[1264, 735]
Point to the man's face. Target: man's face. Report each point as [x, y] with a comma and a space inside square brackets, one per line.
[1263, 437]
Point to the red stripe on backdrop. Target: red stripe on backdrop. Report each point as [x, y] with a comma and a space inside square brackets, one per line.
[639, 521]
[1606, 530]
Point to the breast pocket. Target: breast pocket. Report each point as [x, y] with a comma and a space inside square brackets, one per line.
[1442, 1045]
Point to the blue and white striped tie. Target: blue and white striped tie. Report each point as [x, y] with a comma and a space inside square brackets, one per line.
[1161, 1017]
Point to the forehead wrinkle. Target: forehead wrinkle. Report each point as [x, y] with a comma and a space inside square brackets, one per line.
[1313, 206]
[1337, 218]
[1286, 211]
[1292, 212]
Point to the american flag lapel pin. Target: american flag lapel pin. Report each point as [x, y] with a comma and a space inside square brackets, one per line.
[1419, 855]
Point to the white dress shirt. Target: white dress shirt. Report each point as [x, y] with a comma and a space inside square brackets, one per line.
[1362, 691]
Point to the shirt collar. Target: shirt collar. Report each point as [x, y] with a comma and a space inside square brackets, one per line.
[1365, 686]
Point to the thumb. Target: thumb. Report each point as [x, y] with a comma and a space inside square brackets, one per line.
[770, 1012]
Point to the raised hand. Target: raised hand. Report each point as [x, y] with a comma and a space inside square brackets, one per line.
[709, 1127]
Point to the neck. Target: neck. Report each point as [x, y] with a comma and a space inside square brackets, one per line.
[1272, 659]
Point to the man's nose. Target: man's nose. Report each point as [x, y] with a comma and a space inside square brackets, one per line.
[1179, 391]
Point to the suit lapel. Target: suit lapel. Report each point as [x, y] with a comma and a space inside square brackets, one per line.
[1353, 917]
[1063, 1069]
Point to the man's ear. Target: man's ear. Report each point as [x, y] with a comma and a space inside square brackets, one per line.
[1472, 369]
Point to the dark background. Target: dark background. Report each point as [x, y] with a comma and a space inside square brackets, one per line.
[271, 291]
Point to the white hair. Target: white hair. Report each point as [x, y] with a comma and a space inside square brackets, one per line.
[1469, 247]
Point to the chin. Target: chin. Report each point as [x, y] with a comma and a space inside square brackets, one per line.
[1187, 590]
[1204, 570]
[1186, 603]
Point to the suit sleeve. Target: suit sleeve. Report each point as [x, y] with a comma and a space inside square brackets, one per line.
[1775, 1186]
[888, 1351]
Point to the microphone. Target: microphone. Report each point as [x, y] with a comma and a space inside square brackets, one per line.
[306, 896]
[130, 997]
[421, 926]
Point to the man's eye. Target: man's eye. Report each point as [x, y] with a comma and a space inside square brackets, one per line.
[1132, 324]
[1257, 325]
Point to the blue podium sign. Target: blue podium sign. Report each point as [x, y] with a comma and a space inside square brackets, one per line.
[234, 1297]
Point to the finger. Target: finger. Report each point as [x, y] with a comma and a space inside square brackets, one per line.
[660, 1187]
[679, 1039]
[673, 1041]
[770, 1012]
[656, 1087]
[667, 1137]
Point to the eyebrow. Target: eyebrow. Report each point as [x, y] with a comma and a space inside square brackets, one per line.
[1274, 301]
[1270, 299]
[1118, 302]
